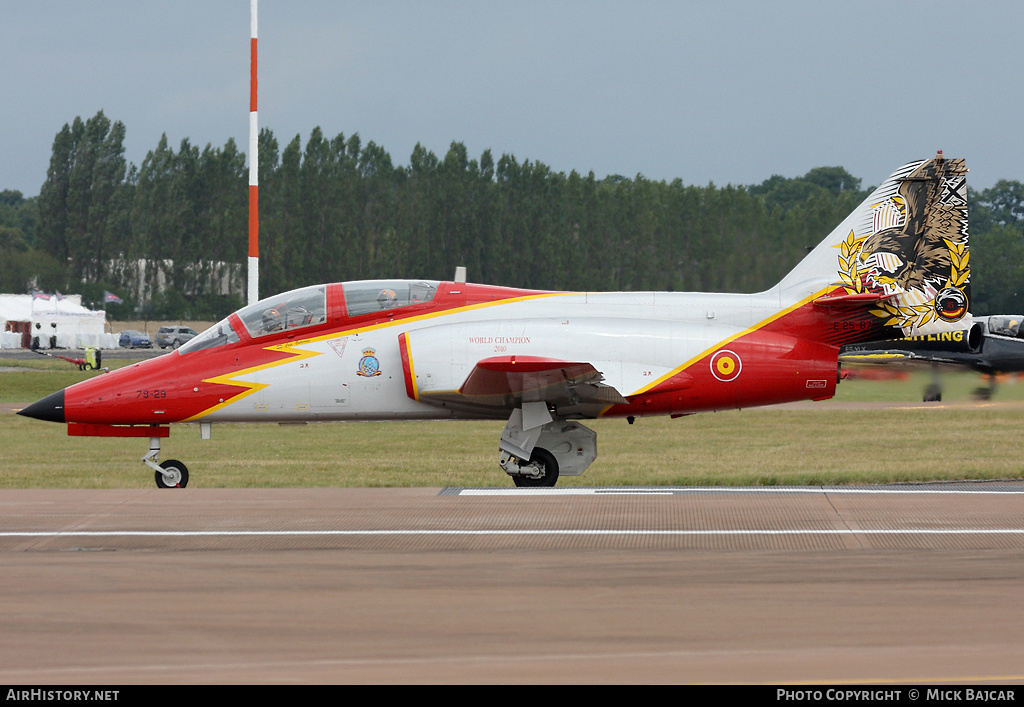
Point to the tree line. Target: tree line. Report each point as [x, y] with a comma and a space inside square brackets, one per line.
[170, 235]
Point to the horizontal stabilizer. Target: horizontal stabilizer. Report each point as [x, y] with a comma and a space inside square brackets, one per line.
[852, 300]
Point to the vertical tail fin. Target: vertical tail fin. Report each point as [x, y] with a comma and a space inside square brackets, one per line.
[900, 260]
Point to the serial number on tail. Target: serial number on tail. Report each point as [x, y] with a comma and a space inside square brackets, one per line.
[851, 326]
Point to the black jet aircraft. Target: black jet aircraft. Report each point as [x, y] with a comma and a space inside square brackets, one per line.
[992, 345]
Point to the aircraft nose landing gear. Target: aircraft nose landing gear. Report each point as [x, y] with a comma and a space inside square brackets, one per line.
[172, 474]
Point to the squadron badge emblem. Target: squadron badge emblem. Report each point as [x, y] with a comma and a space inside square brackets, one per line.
[951, 304]
[369, 366]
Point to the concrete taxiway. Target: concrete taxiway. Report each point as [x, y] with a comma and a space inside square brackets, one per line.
[888, 584]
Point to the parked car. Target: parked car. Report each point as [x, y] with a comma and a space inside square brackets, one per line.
[174, 336]
[132, 339]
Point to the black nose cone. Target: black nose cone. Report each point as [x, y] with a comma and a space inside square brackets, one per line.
[50, 408]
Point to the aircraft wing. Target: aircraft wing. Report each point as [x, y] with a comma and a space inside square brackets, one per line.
[533, 378]
[506, 382]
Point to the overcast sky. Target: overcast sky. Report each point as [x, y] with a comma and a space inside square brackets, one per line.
[719, 91]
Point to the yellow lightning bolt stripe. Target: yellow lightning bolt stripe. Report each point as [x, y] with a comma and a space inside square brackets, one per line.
[230, 378]
[728, 340]
[302, 354]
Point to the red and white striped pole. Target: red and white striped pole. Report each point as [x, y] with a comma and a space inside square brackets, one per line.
[254, 162]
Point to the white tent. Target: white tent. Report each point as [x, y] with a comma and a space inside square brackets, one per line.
[74, 326]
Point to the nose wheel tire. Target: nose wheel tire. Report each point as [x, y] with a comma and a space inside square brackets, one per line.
[173, 475]
[545, 458]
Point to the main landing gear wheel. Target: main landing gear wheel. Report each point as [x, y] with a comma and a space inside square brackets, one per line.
[545, 459]
[174, 475]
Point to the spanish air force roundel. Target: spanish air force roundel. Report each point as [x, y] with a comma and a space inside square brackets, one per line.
[726, 365]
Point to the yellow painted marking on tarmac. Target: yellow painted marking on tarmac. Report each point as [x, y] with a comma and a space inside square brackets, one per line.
[952, 406]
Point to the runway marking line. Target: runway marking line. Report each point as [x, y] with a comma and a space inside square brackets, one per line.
[719, 489]
[481, 532]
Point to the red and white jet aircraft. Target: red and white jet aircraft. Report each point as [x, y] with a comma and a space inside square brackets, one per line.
[425, 350]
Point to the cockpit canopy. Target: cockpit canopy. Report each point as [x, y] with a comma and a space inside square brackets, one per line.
[307, 307]
[1006, 325]
[366, 296]
[219, 334]
[292, 310]
[297, 309]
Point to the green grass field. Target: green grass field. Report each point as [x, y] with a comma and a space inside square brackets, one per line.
[953, 440]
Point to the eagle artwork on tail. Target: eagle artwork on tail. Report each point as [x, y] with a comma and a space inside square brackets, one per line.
[916, 253]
